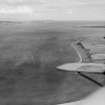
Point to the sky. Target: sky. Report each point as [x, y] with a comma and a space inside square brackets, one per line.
[52, 10]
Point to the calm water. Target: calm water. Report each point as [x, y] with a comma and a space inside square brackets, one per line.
[29, 54]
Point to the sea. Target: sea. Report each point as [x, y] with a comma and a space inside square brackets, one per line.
[29, 55]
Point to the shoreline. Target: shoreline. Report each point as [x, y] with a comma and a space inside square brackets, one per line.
[81, 52]
[77, 51]
[85, 63]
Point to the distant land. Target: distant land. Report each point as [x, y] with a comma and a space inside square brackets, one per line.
[93, 26]
[79, 24]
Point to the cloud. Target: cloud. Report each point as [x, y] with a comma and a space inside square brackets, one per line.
[16, 10]
[42, 2]
[95, 2]
[50, 9]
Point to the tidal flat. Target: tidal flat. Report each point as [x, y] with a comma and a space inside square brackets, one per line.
[29, 54]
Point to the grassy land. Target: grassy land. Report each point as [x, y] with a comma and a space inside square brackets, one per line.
[29, 54]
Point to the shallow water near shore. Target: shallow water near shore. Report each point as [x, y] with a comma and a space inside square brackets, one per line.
[29, 54]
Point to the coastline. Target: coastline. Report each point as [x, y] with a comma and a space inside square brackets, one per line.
[85, 63]
[77, 51]
[81, 52]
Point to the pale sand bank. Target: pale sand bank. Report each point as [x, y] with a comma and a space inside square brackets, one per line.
[85, 67]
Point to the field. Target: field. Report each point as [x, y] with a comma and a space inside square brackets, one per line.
[29, 54]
